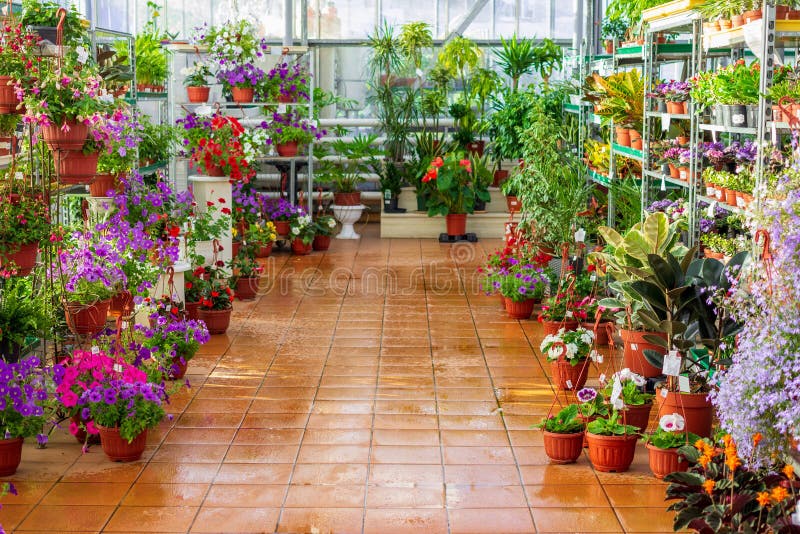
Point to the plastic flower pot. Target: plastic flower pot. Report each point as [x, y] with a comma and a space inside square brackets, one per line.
[121, 303]
[600, 333]
[568, 377]
[611, 453]
[456, 224]
[117, 448]
[287, 150]
[321, 242]
[422, 202]
[191, 309]
[80, 431]
[198, 95]
[563, 448]
[623, 137]
[513, 203]
[179, 366]
[69, 136]
[21, 256]
[638, 416]
[519, 310]
[634, 345]
[217, 321]
[552, 327]
[673, 171]
[665, 461]
[695, 408]
[636, 139]
[730, 197]
[781, 12]
[8, 99]
[247, 288]
[264, 251]
[10, 455]
[725, 24]
[214, 171]
[502, 301]
[236, 247]
[299, 248]
[347, 199]
[86, 319]
[103, 184]
[499, 177]
[76, 168]
[243, 95]
[285, 99]
[281, 227]
[737, 20]
[476, 147]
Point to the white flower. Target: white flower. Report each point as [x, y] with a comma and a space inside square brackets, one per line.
[331, 223]
[625, 374]
[187, 71]
[639, 380]
[555, 352]
[586, 338]
[671, 422]
[295, 230]
[594, 355]
[83, 54]
[572, 350]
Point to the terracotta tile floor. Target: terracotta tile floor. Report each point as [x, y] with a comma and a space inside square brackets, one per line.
[374, 389]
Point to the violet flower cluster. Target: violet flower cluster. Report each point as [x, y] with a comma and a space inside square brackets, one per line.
[760, 391]
[290, 81]
[281, 209]
[246, 75]
[23, 392]
[675, 91]
[89, 264]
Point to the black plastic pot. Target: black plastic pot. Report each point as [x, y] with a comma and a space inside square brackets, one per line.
[47, 33]
[10, 351]
[480, 205]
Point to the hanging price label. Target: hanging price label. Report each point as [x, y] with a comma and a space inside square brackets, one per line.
[569, 314]
[569, 384]
[664, 393]
[95, 350]
[672, 364]
[634, 346]
[281, 108]
[665, 121]
[600, 358]
[593, 278]
[603, 378]
[117, 368]
[683, 384]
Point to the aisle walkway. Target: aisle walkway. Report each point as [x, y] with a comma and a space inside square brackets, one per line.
[367, 392]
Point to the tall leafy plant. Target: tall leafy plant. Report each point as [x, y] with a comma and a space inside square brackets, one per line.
[516, 59]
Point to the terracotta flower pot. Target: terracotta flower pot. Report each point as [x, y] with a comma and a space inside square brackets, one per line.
[347, 199]
[198, 95]
[243, 95]
[103, 184]
[192, 310]
[236, 247]
[281, 227]
[247, 288]
[623, 137]
[121, 302]
[636, 139]
[751, 16]
[10, 455]
[563, 448]
[476, 147]
[638, 416]
[23, 256]
[287, 150]
[611, 453]
[178, 368]
[519, 310]
[600, 333]
[552, 327]
[665, 461]
[609, 47]
[682, 140]
[499, 177]
[299, 248]
[502, 301]
[513, 203]
[264, 251]
[285, 99]
[633, 352]
[65, 137]
[217, 321]
[456, 224]
[74, 167]
[730, 197]
[782, 12]
[321, 242]
[81, 434]
[568, 377]
[696, 409]
[117, 448]
[737, 20]
[673, 171]
[87, 320]
[8, 99]
[708, 253]
[684, 173]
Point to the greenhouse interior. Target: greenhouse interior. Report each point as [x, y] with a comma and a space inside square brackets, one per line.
[387, 266]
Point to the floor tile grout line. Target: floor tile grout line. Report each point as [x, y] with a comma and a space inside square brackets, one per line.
[316, 393]
[497, 399]
[435, 391]
[375, 397]
[244, 415]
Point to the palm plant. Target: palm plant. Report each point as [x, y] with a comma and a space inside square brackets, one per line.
[460, 56]
[548, 56]
[515, 59]
[414, 38]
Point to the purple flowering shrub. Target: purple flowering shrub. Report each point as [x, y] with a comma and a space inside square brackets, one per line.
[242, 76]
[24, 398]
[174, 338]
[291, 127]
[290, 82]
[88, 264]
[247, 203]
[520, 282]
[280, 209]
[118, 133]
[760, 391]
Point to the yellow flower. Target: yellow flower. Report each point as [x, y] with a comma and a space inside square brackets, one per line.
[779, 493]
[727, 439]
[788, 470]
[763, 498]
[708, 485]
[699, 444]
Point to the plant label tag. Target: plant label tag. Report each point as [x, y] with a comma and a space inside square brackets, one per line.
[634, 346]
[569, 384]
[600, 359]
[569, 314]
[593, 278]
[603, 378]
[281, 108]
[124, 325]
[672, 364]
[711, 209]
[665, 121]
[117, 368]
[95, 350]
[664, 393]
[616, 391]
[683, 384]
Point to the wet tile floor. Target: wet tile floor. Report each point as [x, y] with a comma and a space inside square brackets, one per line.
[375, 389]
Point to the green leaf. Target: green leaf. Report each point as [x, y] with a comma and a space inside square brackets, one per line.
[686, 478]
[656, 231]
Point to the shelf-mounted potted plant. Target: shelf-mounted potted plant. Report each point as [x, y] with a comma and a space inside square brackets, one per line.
[612, 444]
[234, 46]
[289, 133]
[213, 143]
[569, 353]
[288, 83]
[19, 65]
[563, 435]
[354, 158]
[613, 30]
[196, 82]
[663, 445]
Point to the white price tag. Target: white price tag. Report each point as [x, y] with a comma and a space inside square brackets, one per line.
[569, 314]
[616, 391]
[711, 209]
[672, 364]
[634, 346]
[683, 384]
[600, 359]
[665, 121]
[603, 378]
[281, 108]
[275, 51]
[664, 393]
[118, 367]
[593, 278]
[569, 384]
[95, 350]
[124, 325]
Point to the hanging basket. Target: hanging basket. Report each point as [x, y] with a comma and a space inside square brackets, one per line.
[8, 98]
[118, 449]
[665, 461]
[103, 184]
[86, 319]
[263, 251]
[198, 95]
[69, 136]
[638, 416]
[611, 453]
[568, 377]
[563, 448]
[634, 346]
[281, 227]
[519, 310]
[191, 309]
[217, 321]
[76, 168]
[121, 304]
[21, 256]
[551, 328]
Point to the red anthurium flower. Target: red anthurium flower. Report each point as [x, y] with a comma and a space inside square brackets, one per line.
[437, 162]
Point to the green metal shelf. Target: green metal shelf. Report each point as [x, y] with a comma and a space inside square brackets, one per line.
[150, 169]
[627, 152]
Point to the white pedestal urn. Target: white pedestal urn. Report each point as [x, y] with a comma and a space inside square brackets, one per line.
[212, 189]
[162, 287]
[348, 216]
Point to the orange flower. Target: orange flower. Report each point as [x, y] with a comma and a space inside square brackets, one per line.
[757, 437]
[704, 460]
[788, 470]
[699, 444]
[733, 461]
[779, 493]
[727, 439]
[763, 498]
[708, 485]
